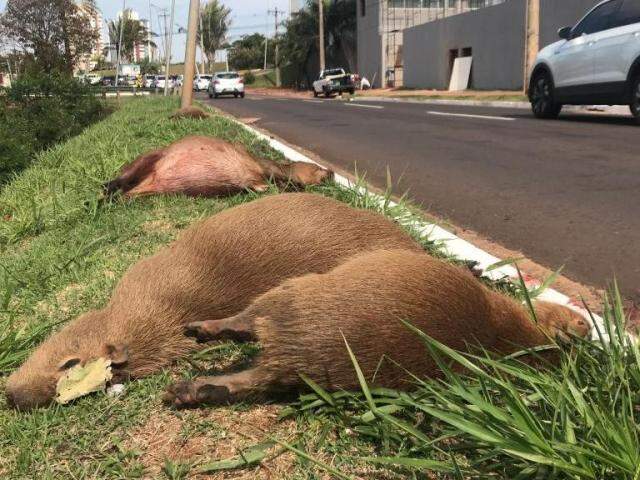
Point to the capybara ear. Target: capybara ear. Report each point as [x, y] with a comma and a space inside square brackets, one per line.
[68, 362]
[117, 353]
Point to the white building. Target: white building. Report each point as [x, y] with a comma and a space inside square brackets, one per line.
[97, 24]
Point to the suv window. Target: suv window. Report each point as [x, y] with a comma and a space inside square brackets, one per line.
[598, 20]
[628, 14]
[227, 75]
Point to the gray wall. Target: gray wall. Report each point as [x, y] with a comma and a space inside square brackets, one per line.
[496, 35]
[369, 42]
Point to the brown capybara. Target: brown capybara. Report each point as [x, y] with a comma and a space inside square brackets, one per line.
[193, 113]
[300, 326]
[209, 167]
[213, 270]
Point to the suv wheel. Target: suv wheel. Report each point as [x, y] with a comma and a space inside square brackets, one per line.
[635, 98]
[541, 97]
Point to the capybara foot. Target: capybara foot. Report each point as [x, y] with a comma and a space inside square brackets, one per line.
[191, 394]
[232, 328]
[561, 322]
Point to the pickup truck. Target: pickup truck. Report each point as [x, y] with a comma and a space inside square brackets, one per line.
[334, 80]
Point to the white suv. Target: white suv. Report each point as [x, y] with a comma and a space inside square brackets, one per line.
[597, 62]
[226, 83]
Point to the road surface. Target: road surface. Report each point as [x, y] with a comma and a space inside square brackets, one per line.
[564, 192]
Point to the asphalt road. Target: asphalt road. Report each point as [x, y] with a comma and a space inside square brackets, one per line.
[564, 192]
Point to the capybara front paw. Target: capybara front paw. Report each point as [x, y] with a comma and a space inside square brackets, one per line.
[199, 331]
[190, 394]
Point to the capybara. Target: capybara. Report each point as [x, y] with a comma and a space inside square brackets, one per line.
[212, 271]
[194, 113]
[300, 326]
[209, 167]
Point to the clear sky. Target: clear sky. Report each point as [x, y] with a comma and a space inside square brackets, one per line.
[247, 16]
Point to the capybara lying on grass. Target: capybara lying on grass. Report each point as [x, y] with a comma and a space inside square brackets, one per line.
[209, 167]
[214, 270]
[300, 326]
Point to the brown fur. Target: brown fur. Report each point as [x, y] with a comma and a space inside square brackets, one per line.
[300, 326]
[214, 270]
[194, 113]
[207, 166]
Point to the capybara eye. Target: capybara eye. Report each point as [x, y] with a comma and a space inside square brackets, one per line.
[72, 362]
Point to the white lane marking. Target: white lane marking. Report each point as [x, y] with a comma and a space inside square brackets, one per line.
[363, 106]
[467, 115]
[314, 101]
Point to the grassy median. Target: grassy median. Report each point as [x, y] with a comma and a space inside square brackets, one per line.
[63, 251]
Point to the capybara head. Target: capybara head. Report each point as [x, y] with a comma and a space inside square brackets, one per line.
[34, 383]
[304, 173]
[559, 321]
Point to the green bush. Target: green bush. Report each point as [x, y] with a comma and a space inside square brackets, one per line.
[39, 111]
[249, 78]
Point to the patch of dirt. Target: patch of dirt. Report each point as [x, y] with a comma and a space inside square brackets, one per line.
[208, 434]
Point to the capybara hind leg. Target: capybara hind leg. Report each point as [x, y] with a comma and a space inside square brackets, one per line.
[238, 328]
[219, 390]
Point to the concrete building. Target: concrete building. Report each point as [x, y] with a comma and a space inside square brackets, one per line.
[94, 15]
[144, 49]
[413, 43]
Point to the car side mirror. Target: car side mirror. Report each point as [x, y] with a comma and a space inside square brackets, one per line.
[565, 33]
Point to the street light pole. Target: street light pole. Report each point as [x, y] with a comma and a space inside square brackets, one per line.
[124, 7]
[190, 54]
[169, 33]
[321, 32]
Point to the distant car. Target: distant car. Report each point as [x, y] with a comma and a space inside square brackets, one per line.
[333, 80]
[159, 81]
[201, 82]
[92, 78]
[226, 83]
[597, 62]
[176, 80]
[149, 80]
[108, 81]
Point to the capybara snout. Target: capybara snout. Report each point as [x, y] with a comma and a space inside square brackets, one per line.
[310, 174]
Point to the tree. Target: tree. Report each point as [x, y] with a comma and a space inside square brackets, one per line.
[299, 44]
[148, 67]
[248, 52]
[216, 19]
[133, 32]
[57, 33]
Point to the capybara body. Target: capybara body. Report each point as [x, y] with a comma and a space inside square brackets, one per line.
[300, 326]
[214, 270]
[209, 167]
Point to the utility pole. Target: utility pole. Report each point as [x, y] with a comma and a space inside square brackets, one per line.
[124, 7]
[149, 56]
[168, 31]
[321, 33]
[275, 13]
[190, 54]
[531, 39]
[202, 43]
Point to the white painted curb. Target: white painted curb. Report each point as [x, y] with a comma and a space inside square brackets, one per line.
[454, 245]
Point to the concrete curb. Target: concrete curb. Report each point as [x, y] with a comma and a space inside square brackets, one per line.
[454, 245]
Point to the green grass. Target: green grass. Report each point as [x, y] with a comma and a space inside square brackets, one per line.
[64, 249]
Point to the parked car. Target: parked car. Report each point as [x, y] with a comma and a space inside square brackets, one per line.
[108, 81]
[333, 80]
[159, 82]
[597, 62]
[226, 83]
[92, 78]
[149, 81]
[176, 80]
[201, 82]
